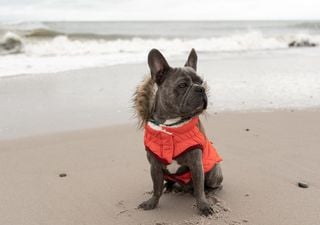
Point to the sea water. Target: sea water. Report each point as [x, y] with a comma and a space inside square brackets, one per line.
[59, 46]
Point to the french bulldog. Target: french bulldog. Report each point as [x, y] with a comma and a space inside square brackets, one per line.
[168, 99]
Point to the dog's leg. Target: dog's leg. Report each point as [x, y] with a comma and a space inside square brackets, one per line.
[193, 160]
[157, 179]
[214, 178]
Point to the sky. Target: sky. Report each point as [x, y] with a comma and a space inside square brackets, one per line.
[92, 10]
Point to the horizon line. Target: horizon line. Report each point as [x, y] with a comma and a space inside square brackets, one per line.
[175, 20]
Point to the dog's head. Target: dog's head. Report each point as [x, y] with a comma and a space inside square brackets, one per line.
[180, 91]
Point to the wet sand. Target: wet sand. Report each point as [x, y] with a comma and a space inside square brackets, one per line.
[36, 104]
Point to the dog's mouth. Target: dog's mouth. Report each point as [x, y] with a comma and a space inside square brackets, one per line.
[205, 102]
[202, 106]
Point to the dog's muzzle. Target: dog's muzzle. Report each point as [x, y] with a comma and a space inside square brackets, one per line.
[201, 90]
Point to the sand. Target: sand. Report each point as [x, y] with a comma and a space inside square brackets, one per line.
[70, 152]
[265, 155]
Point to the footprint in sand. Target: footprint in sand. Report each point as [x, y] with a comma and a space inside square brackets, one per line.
[121, 205]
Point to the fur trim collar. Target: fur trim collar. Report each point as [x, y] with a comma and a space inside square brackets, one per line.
[143, 100]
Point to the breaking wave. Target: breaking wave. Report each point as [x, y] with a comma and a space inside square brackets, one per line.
[43, 32]
[11, 43]
[64, 45]
[45, 50]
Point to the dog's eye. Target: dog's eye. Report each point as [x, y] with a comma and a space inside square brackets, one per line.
[182, 85]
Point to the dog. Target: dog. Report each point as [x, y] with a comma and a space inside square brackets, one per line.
[168, 104]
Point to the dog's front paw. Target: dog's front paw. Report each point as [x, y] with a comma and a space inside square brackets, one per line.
[205, 209]
[149, 204]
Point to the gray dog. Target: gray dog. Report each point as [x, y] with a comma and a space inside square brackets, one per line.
[168, 104]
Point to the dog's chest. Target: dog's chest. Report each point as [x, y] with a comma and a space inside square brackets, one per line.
[173, 167]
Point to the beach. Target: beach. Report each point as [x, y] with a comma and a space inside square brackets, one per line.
[80, 125]
[107, 175]
[71, 152]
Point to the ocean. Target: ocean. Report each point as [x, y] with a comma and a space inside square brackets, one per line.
[46, 47]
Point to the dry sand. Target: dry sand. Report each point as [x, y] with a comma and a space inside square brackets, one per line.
[107, 175]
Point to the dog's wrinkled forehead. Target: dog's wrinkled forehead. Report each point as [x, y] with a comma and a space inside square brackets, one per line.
[186, 74]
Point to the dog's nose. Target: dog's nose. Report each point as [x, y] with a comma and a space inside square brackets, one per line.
[199, 89]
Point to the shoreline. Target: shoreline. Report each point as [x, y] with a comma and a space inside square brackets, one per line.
[97, 97]
[107, 175]
[205, 57]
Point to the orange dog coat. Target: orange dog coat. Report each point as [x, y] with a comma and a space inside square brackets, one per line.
[168, 142]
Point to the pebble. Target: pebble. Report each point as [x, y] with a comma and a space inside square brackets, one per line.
[62, 175]
[303, 185]
[247, 129]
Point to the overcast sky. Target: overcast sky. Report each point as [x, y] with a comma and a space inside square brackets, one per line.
[61, 10]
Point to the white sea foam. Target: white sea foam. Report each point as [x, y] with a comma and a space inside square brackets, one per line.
[63, 45]
[11, 43]
[44, 55]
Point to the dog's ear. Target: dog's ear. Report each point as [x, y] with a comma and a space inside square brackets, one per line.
[192, 60]
[158, 66]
